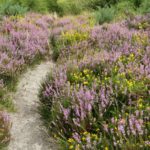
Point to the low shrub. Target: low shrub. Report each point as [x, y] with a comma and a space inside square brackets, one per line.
[88, 102]
[139, 22]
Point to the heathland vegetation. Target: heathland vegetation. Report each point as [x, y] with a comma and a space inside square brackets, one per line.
[98, 97]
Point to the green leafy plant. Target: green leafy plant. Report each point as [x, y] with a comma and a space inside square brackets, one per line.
[137, 3]
[103, 15]
[9, 8]
[145, 6]
[35, 5]
[71, 7]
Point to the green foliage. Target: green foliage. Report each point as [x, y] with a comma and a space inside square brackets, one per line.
[145, 6]
[122, 11]
[71, 7]
[35, 5]
[103, 15]
[122, 6]
[9, 8]
[101, 3]
[137, 3]
[64, 7]
[53, 6]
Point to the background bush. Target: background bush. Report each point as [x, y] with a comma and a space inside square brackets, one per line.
[104, 15]
[145, 6]
[71, 7]
[63, 7]
[10, 8]
[33, 5]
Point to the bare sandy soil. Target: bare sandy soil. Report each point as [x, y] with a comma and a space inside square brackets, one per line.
[28, 132]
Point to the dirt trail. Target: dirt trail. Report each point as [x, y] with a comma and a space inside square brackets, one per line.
[27, 130]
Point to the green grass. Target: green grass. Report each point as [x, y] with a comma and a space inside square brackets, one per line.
[7, 104]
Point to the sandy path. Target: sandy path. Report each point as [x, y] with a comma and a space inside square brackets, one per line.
[27, 130]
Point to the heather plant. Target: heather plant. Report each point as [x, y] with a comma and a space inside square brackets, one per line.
[139, 22]
[80, 106]
[102, 101]
[23, 41]
[70, 35]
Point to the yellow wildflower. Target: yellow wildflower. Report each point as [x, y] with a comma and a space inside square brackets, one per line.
[71, 147]
[85, 133]
[130, 83]
[70, 140]
[127, 114]
[97, 129]
[106, 148]
[85, 83]
[95, 136]
[83, 138]
[85, 71]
